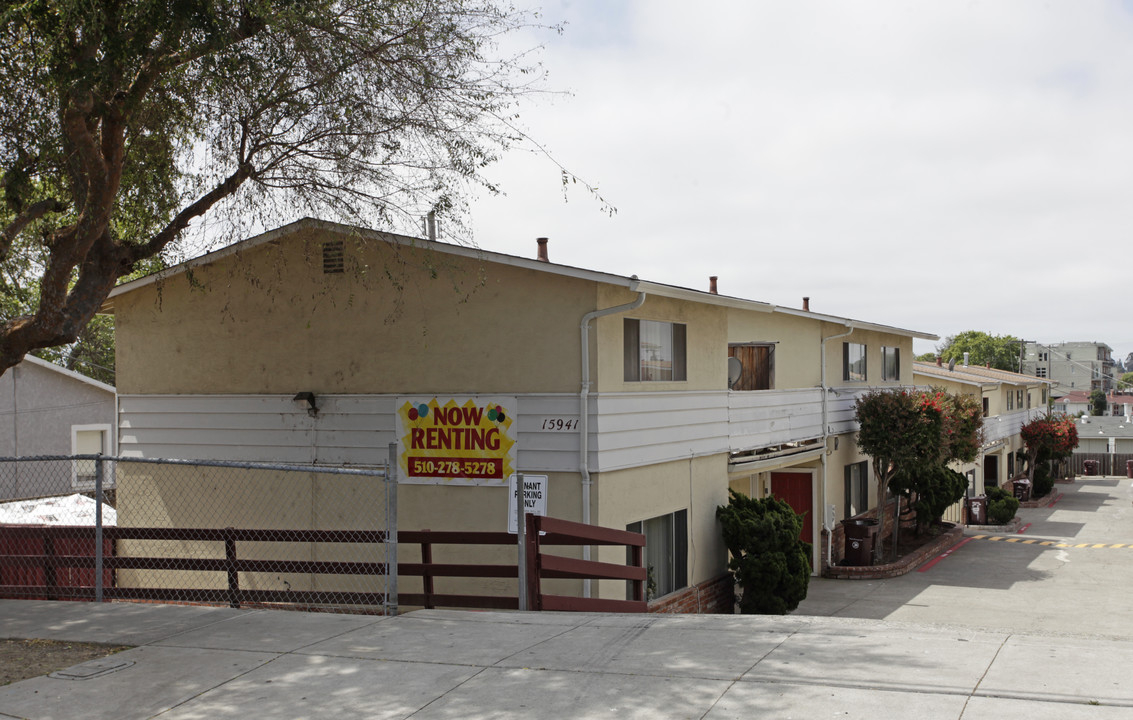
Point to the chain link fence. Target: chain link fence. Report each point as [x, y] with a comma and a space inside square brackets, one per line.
[89, 527]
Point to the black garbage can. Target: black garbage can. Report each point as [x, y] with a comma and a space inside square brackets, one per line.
[861, 534]
[1091, 466]
[1129, 468]
[977, 510]
[1023, 489]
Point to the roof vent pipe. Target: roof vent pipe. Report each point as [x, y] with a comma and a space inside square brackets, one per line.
[542, 257]
[965, 359]
[940, 361]
[806, 304]
[712, 284]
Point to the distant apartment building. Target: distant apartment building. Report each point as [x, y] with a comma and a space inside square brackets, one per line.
[1071, 365]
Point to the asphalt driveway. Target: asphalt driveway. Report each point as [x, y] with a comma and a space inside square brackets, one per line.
[1066, 572]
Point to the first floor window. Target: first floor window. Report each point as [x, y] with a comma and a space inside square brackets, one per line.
[666, 553]
[857, 489]
[654, 351]
[891, 363]
[87, 440]
[853, 362]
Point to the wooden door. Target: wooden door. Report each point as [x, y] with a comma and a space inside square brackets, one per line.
[796, 489]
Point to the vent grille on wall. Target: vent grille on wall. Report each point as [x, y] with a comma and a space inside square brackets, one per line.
[333, 257]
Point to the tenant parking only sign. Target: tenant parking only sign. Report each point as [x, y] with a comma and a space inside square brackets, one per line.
[465, 440]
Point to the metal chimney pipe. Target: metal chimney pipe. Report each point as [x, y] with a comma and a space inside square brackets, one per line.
[542, 250]
[712, 284]
[806, 303]
[940, 361]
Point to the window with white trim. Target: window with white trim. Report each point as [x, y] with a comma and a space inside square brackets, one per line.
[87, 440]
[654, 351]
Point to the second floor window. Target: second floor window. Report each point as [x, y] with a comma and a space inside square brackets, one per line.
[853, 362]
[1010, 400]
[891, 364]
[654, 351]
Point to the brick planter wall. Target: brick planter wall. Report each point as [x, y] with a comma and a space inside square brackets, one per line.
[904, 565]
[711, 596]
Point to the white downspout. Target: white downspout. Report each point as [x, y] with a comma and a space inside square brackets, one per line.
[826, 436]
[584, 415]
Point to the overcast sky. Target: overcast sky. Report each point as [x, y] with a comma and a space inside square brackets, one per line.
[939, 166]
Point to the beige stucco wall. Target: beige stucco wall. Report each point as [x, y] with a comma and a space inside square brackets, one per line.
[698, 485]
[706, 342]
[797, 344]
[874, 340]
[396, 320]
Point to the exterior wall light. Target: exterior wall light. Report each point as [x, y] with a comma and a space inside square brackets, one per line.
[309, 398]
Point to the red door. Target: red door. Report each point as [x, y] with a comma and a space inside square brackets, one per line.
[796, 489]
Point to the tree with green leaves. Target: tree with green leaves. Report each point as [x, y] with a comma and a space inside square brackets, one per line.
[1098, 403]
[768, 560]
[123, 123]
[1001, 351]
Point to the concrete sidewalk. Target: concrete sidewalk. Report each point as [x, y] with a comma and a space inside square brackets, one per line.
[196, 662]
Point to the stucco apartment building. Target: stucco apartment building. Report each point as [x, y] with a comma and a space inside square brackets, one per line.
[1071, 365]
[480, 364]
[1010, 401]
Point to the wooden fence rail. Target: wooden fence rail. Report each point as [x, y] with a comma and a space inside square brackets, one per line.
[31, 558]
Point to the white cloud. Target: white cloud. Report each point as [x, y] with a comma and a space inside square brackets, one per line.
[937, 166]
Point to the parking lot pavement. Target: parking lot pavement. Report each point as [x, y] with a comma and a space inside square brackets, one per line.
[1078, 585]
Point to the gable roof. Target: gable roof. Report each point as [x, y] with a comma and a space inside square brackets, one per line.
[632, 282]
[33, 360]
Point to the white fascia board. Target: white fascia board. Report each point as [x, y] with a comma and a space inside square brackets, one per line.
[69, 373]
[855, 324]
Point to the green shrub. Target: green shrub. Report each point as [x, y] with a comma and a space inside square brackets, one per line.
[1042, 483]
[1001, 506]
[935, 488]
[769, 561]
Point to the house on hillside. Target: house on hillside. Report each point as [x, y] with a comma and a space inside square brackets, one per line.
[46, 409]
[642, 403]
[1010, 401]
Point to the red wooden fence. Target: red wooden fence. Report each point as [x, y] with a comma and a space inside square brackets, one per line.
[58, 562]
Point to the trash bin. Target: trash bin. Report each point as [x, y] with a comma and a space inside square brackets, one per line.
[977, 510]
[1129, 468]
[1023, 489]
[861, 534]
[1091, 466]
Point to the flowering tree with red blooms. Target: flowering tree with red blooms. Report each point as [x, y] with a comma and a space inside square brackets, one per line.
[1047, 438]
[911, 437]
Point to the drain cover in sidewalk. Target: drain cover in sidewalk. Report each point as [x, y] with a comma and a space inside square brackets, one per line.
[92, 669]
